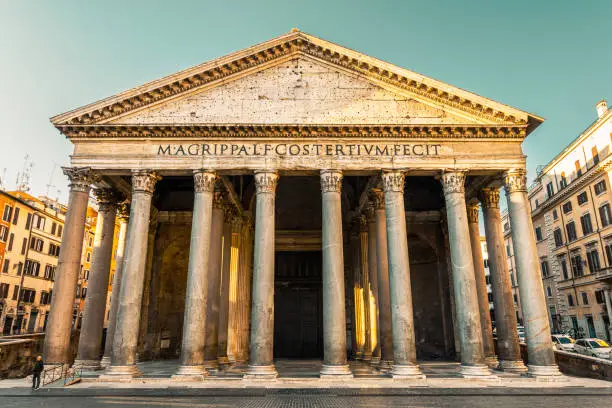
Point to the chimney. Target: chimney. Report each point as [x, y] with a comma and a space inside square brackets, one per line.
[602, 107]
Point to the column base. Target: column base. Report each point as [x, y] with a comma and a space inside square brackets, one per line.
[223, 362]
[88, 365]
[513, 366]
[406, 372]
[358, 355]
[545, 373]
[267, 372]
[385, 365]
[492, 362]
[375, 360]
[330, 372]
[480, 371]
[120, 372]
[105, 362]
[190, 373]
[366, 357]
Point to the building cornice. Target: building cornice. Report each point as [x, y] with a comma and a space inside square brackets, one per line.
[296, 44]
[224, 131]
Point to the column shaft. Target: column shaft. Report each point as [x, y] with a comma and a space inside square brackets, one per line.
[366, 347]
[90, 340]
[334, 312]
[373, 281]
[59, 325]
[464, 281]
[125, 341]
[505, 317]
[124, 215]
[384, 298]
[481, 287]
[541, 357]
[400, 291]
[261, 364]
[211, 348]
[225, 287]
[194, 324]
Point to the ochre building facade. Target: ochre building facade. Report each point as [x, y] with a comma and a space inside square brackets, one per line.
[298, 199]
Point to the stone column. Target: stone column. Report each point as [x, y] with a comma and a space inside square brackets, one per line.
[608, 299]
[124, 216]
[366, 349]
[90, 339]
[125, 339]
[334, 313]
[354, 248]
[541, 357]
[481, 287]
[385, 334]
[261, 364]
[505, 317]
[246, 285]
[400, 292]
[225, 287]
[234, 306]
[373, 280]
[211, 348]
[194, 321]
[464, 281]
[59, 325]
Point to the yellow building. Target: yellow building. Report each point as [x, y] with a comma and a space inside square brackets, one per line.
[30, 238]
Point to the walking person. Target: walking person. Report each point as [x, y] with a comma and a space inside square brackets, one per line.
[38, 369]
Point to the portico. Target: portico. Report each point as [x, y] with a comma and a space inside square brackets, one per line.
[301, 183]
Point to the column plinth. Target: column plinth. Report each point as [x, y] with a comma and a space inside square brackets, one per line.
[400, 291]
[464, 281]
[192, 350]
[541, 358]
[59, 326]
[505, 317]
[261, 364]
[125, 339]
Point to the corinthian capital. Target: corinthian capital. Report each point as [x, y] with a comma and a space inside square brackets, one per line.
[377, 196]
[472, 213]
[80, 178]
[204, 181]
[218, 199]
[144, 181]
[108, 199]
[393, 181]
[123, 212]
[453, 182]
[489, 197]
[515, 180]
[265, 182]
[331, 181]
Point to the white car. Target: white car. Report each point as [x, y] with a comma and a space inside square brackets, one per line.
[521, 333]
[563, 342]
[593, 347]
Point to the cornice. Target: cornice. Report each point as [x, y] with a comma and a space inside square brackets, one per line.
[287, 46]
[224, 131]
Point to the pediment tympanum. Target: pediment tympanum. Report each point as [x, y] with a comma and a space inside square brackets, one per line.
[299, 91]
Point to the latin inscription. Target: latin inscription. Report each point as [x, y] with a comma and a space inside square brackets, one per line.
[298, 149]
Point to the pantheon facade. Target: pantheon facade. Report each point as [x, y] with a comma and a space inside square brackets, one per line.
[298, 199]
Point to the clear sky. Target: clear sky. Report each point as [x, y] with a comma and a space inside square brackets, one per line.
[549, 57]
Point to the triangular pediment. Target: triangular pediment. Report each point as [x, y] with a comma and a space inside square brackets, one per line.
[299, 91]
[296, 79]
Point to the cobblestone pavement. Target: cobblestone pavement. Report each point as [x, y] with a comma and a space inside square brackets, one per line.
[306, 401]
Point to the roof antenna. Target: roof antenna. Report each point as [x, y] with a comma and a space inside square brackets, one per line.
[24, 176]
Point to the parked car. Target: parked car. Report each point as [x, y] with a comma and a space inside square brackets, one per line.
[563, 342]
[593, 347]
[521, 333]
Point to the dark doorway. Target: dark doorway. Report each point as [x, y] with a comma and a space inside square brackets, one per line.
[298, 305]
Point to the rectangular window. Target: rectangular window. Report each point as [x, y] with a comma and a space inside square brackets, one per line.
[59, 231]
[563, 181]
[605, 215]
[609, 253]
[570, 300]
[544, 267]
[555, 214]
[578, 168]
[567, 207]
[558, 237]
[507, 250]
[4, 290]
[10, 243]
[550, 191]
[3, 233]
[8, 212]
[600, 297]
[600, 187]
[577, 267]
[587, 226]
[28, 221]
[538, 233]
[15, 292]
[593, 260]
[585, 298]
[595, 155]
[564, 269]
[582, 198]
[24, 246]
[549, 292]
[53, 228]
[570, 229]
[16, 216]
[5, 266]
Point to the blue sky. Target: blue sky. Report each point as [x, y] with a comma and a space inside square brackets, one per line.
[551, 58]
